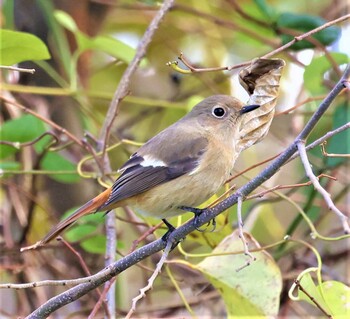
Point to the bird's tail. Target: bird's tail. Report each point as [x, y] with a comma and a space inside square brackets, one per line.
[90, 207]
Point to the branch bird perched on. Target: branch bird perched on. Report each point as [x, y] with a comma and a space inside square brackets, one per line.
[186, 163]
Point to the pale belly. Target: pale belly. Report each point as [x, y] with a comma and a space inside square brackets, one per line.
[188, 190]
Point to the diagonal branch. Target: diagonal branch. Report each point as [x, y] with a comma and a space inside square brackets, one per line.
[123, 86]
[207, 215]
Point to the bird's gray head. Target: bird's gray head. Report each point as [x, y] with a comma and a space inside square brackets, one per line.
[218, 110]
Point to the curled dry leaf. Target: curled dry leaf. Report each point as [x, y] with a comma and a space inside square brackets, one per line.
[261, 80]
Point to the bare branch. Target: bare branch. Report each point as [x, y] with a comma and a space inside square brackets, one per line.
[319, 188]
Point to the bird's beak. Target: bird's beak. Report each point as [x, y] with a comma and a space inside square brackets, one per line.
[249, 108]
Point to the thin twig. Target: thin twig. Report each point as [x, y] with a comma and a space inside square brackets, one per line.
[278, 187]
[82, 264]
[226, 23]
[144, 236]
[241, 235]
[319, 188]
[225, 194]
[324, 153]
[252, 167]
[14, 68]
[45, 120]
[317, 44]
[324, 138]
[297, 283]
[306, 35]
[308, 100]
[77, 254]
[151, 279]
[123, 86]
[319, 141]
[18, 145]
[101, 300]
[44, 283]
[248, 17]
[299, 38]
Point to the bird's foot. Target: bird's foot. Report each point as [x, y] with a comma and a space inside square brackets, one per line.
[197, 212]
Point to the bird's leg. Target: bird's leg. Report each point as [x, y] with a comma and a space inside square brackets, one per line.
[171, 228]
[197, 212]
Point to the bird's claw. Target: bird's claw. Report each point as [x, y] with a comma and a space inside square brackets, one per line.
[197, 212]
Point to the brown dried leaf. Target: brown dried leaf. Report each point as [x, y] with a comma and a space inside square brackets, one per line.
[261, 80]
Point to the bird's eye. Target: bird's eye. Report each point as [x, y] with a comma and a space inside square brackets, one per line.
[218, 111]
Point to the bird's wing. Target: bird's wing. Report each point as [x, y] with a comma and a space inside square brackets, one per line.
[144, 171]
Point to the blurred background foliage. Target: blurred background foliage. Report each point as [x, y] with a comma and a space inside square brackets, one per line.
[80, 50]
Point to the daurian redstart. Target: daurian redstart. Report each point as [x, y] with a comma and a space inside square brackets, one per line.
[182, 166]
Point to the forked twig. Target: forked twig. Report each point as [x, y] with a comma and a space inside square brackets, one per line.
[192, 69]
[251, 258]
[324, 152]
[151, 279]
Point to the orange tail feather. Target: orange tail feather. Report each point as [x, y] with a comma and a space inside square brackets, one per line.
[90, 207]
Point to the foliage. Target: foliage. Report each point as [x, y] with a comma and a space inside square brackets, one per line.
[16, 47]
[79, 61]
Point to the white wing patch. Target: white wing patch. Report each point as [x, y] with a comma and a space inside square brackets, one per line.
[151, 161]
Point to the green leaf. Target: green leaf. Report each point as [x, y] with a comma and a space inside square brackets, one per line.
[23, 129]
[340, 143]
[115, 48]
[193, 101]
[93, 219]
[58, 38]
[95, 245]
[66, 20]
[56, 162]
[239, 290]
[267, 232]
[314, 72]
[16, 47]
[9, 165]
[304, 23]
[337, 296]
[268, 11]
[108, 45]
[79, 232]
[8, 8]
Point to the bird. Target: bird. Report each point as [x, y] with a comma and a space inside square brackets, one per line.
[176, 170]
